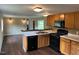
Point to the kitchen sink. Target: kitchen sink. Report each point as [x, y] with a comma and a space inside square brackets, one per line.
[42, 32]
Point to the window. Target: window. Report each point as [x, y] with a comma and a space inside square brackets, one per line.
[40, 24]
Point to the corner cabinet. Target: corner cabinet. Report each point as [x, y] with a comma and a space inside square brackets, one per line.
[69, 20]
[69, 47]
[65, 46]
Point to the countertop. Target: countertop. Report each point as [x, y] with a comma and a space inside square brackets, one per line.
[33, 33]
[70, 36]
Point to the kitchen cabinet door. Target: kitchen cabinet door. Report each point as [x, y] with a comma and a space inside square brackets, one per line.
[65, 46]
[77, 49]
[76, 20]
[50, 20]
[61, 16]
[40, 41]
[46, 40]
[74, 48]
[57, 17]
[43, 40]
[62, 46]
[69, 20]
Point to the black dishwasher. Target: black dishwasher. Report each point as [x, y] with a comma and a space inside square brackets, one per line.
[32, 43]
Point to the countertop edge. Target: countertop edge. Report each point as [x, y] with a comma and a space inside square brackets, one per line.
[69, 38]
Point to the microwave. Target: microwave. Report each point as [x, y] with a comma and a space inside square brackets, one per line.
[59, 24]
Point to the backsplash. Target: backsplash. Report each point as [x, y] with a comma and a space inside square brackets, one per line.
[73, 31]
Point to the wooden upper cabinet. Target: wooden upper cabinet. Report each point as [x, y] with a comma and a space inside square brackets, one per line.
[56, 17]
[59, 17]
[50, 20]
[77, 20]
[69, 20]
[62, 16]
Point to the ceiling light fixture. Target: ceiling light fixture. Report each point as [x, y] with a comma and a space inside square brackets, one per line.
[45, 15]
[38, 9]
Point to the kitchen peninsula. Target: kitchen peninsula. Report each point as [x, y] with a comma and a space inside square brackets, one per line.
[37, 39]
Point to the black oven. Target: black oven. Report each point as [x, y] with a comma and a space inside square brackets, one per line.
[55, 39]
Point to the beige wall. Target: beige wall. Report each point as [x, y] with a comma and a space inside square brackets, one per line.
[13, 28]
[17, 26]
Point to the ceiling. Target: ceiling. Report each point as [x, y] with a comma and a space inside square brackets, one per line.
[27, 9]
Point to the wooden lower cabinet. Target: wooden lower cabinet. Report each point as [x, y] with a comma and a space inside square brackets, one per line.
[74, 48]
[43, 40]
[65, 46]
[77, 49]
[69, 47]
